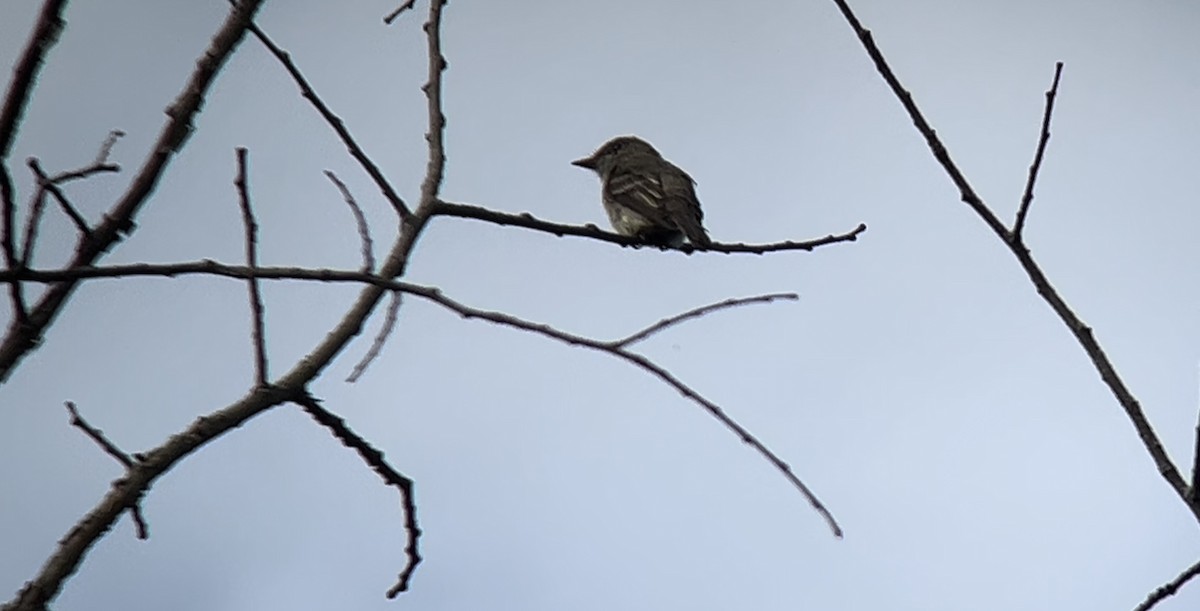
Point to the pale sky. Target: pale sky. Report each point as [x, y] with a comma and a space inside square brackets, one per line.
[920, 386]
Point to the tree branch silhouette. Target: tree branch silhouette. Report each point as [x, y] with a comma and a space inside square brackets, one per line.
[119, 221]
[256, 304]
[374, 459]
[528, 221]
[144, 469]
[1014, 241]
[1169, 588]
[110, 448]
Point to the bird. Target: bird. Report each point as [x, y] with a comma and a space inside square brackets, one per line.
[646, 196]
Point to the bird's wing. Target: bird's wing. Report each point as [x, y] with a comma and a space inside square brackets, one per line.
[640, 191]
[682, 205]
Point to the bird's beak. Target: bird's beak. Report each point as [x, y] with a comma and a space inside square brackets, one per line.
[586, 162]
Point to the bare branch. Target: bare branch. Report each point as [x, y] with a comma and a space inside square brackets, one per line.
[19, 340]
[256, 304]
[1043, 139]
[396, 13]
[112, 450]
[33, 221]
[206, 266]
[106, 148]
[528, 221]
[698, 312]
[1083, 334]
[364, 230]
[931, 139]
[45, 182]
[389, 325]
[435, 169]
[72, 547]
[1194, 489]
[334, 121]
[45, 34]
[374, 459]
[97, 435]
[507, 320]
[435, 295]
[38, 201]
[1170, 588]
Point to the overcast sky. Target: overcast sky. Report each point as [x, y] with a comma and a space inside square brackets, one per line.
[920, 385]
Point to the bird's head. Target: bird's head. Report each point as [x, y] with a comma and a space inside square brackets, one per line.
[604, 156]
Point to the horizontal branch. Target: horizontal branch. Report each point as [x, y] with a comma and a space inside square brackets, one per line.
[615, 348]
[528, 221]
[697, 313]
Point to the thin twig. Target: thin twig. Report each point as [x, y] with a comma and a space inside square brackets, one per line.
[110, 448]
[106, 147]
[47, 183]
[1083, 334]
[1169, 588]
[335, 122]
[528, 221]
[256, 304]
[435, 295]
[44, 183]
[119, 220]
[374, 459]
[38, 202]
[698, 312]
[33, 220]
[396, 13]
[1194, 489]
[647, 365]
[98, 436]
[44, 35]
[389, 325]
[364, 230]
[1036, 166]
[435, 136]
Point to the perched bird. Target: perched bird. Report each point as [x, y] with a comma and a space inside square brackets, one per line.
[646, 196]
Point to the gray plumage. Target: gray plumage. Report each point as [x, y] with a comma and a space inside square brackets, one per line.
[646, 196]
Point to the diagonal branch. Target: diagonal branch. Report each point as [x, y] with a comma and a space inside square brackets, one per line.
[45, 34]
[714, 410]
[110, 448]
[374, 459]
[528, 221]
[1194, 489]
[72, 547]
[19, 341]
[385, 331]
[256, 304]
[334, 121]
[47, 183]
[33, 220]
[697, 313]
[44, 183]
[1170, 588]
[1043, 139]
[1083, 334]
[390, 17]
